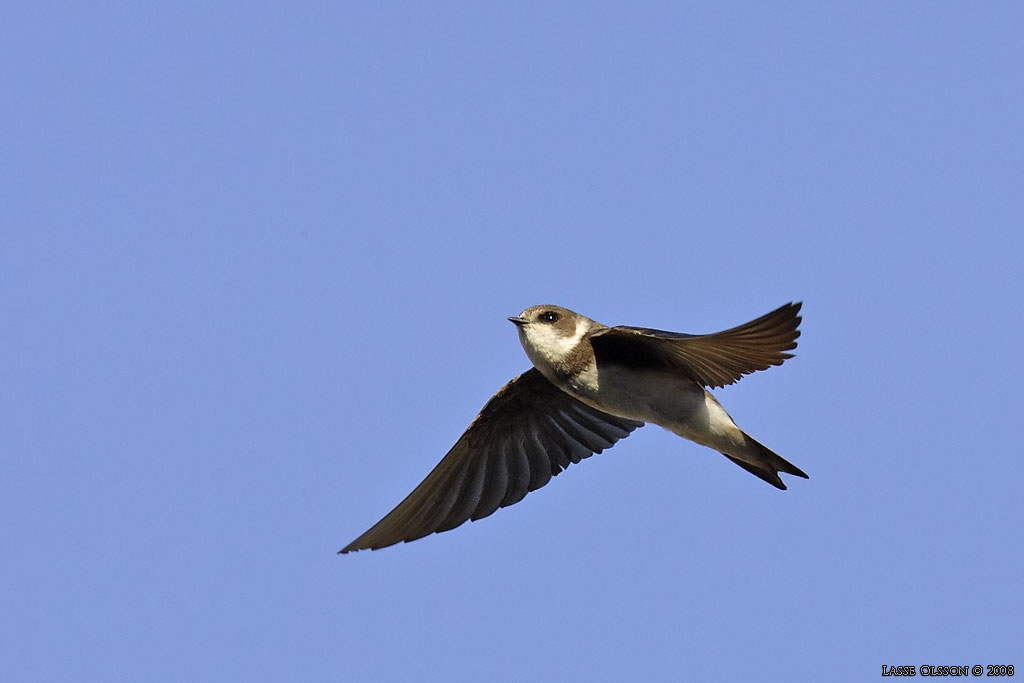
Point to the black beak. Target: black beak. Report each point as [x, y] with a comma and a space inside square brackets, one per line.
[517, 321]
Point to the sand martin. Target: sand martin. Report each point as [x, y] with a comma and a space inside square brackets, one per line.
[590, 386]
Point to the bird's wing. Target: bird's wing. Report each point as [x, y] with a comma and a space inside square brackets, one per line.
[713, 360]
[530, 431]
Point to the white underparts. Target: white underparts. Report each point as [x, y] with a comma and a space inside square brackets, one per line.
[586, 383]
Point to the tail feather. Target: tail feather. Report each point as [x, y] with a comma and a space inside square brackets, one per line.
[768, 464]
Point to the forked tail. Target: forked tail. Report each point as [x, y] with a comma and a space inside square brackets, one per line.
[766, 463]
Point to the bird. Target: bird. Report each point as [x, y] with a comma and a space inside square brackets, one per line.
[590, 386]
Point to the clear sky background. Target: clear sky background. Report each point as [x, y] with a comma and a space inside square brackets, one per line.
[256, 262]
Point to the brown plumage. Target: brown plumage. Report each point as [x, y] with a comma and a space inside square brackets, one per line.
[711, 360]
[590, 386]
[527, 433]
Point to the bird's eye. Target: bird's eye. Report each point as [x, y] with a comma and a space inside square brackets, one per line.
[549, 317]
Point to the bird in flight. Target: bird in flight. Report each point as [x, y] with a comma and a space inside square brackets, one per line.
[591, 385]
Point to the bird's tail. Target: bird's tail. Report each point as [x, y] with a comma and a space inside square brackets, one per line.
[764, 463]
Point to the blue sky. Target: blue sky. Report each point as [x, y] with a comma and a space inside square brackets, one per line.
[255, 267]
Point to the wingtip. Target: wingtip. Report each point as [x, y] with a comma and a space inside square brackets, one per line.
[790, 309]
[352, 548]
[355, 546]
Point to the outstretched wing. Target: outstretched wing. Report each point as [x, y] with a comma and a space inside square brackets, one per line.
[712, 360]
[530, 431]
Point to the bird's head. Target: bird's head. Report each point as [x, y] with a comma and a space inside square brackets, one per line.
[550, 334]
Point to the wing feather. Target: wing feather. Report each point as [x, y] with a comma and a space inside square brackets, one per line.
[712, 360]
[527, 433]
[519, 476]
